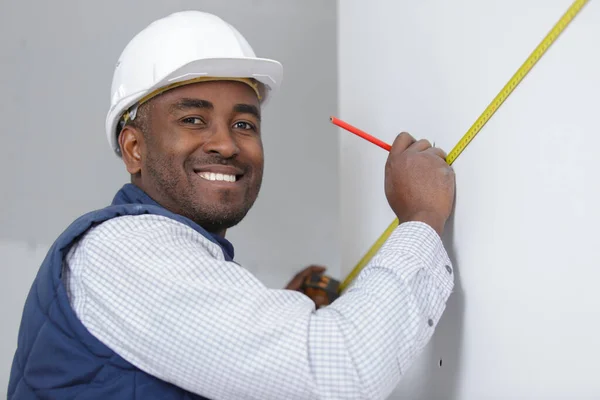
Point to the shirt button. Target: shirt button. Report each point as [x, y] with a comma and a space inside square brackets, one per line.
[430, 322]
[449, 269]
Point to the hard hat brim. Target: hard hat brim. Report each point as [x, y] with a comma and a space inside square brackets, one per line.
[266, 71]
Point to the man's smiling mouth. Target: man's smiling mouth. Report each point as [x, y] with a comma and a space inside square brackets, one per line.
[219, 173]
[211, 176]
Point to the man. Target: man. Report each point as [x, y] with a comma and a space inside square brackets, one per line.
[142, 299]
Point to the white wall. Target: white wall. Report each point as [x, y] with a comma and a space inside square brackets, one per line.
[524, 321]
[56, 61]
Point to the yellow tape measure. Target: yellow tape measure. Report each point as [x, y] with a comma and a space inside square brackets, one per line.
[480, 122]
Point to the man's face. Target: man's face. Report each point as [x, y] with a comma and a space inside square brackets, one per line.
[201, 155]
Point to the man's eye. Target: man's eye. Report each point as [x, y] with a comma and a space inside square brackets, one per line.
[244, 125]
[192, 120]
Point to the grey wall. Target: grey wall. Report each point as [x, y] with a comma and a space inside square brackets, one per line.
[56, 61]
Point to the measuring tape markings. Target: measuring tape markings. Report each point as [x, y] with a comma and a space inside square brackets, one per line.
[514, 81]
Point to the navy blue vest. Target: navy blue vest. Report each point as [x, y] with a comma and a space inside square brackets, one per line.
[57, 357]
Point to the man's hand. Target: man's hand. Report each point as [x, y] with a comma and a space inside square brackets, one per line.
[297, 281]
[419, 184]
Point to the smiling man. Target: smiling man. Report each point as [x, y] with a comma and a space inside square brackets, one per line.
[203, 151]
[142, 299]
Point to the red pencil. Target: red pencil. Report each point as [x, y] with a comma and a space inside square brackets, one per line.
[360, 133]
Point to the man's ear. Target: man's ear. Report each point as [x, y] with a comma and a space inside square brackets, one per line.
[131, 141]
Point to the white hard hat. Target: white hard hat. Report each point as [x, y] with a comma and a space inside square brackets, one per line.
[184, 47]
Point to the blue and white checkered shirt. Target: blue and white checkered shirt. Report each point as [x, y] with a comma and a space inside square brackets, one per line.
[162, 296]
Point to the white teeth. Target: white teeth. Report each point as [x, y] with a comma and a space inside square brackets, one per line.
[211, 176]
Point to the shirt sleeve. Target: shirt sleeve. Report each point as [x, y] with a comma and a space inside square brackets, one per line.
[161, 295]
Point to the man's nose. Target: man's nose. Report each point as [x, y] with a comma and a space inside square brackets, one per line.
[222, 141]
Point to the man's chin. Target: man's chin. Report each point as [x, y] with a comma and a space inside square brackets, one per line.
[221, 220]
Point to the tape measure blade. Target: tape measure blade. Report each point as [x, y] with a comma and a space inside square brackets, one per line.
[517, 77]
[368, 255]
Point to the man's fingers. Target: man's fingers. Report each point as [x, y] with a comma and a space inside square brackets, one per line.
[314, 269]
[317, 268]
[299, 278]
[420, 145]
[402, 142]
[437, 151]
[405, 141]
[311, 270]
